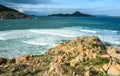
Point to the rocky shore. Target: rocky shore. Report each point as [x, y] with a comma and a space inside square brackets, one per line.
[82, 56]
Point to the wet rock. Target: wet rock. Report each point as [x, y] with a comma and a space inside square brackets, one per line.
[10, 61]
[3, 60]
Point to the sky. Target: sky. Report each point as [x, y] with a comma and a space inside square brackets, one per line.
[45, 7]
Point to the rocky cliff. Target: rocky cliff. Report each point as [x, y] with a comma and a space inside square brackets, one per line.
[8, 13]
[82, 56]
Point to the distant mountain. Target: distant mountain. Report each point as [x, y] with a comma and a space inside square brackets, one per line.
[75, 14]
[9, 13]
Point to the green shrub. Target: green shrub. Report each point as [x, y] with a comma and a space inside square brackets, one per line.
[103, 52]
[61, 52]
[97, 62]
[80, 70]
[97, 73]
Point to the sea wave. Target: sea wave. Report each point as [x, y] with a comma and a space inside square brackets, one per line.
[89, 31]
[110, 31]
[44, 39]
[37, 43]
[112, 42]
[2, 35]
[48, 32]
[2, 38]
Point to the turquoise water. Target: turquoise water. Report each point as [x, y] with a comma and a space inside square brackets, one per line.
[35, 36]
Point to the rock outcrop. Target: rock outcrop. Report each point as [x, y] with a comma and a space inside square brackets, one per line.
[8, 13]
[82, 56]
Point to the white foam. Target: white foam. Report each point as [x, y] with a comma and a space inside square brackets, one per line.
[114, 42]
[117, 43]
[114, 31]
[109, 31]
[89, 31]
[53, 32]
[37, 43]
[14, 34]
[2, 35]
[43, 39]
[2, 38]
[112, 39]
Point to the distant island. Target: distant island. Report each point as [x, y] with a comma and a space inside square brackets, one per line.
[118, 16]
[9, 13]
[75, 14]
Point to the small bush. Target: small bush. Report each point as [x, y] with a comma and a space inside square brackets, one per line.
[80, 70]
[61, 52]
[92, 44]
[97, 73]
[97, 62]
[103, 52]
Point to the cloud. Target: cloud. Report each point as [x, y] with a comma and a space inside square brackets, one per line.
[45, 7]
[24, 1]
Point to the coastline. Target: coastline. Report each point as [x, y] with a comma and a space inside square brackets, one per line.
[81, 56]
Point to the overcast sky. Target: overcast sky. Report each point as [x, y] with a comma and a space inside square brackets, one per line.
[44, 7]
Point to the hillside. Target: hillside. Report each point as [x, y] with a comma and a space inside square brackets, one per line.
[75, 14]
[9, 13]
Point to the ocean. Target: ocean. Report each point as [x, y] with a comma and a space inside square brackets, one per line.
[36, 36]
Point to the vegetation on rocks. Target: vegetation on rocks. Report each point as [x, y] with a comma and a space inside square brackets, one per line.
[82, 56]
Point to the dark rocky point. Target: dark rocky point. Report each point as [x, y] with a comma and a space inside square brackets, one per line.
[9, 13]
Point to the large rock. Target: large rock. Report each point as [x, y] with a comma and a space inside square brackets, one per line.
[114, 70]
[113, 52]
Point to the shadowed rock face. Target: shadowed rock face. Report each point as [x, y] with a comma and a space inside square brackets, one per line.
[8, 13]
[82, 56]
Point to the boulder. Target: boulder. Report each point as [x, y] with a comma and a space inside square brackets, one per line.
[114, 70]
[112, 51]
